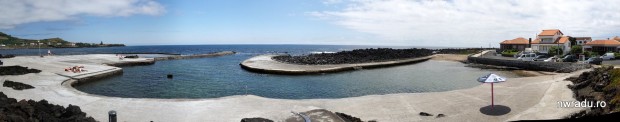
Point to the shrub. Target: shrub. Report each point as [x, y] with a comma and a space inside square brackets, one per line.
[576, 49]
[555, 50]
[590, 54]
[509, 53]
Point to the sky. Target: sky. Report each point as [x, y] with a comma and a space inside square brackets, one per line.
[436, 23]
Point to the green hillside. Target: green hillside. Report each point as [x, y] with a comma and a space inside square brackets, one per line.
[8, 41]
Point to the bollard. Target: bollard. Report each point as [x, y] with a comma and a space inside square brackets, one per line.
[170, 76]
[112, 116]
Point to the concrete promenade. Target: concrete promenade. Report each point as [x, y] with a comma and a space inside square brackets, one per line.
[265, 64]
[528, 98]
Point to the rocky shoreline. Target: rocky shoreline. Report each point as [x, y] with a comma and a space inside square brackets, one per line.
[12, 110]
[601, 84]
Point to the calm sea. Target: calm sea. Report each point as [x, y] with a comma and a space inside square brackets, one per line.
[222, 76]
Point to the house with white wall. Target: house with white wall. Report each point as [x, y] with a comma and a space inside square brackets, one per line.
[550, 38]
[582, 40]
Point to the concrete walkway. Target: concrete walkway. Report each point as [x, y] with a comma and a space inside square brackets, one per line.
[265, 64]
[528, 98]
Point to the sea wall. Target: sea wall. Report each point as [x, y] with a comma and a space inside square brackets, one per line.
[75, 81]
[266, 64]
[223, 53]
[563, 67]
[131, 63]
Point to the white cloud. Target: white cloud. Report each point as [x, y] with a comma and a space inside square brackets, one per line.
[474, 22]
[16, 12]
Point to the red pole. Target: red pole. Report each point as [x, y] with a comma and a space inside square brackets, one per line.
[492, 95]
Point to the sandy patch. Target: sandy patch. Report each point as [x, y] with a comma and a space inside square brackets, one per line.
[450, 57]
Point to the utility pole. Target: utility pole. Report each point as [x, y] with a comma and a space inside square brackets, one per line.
[39, 43]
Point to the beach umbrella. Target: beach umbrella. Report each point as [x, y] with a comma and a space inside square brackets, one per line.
[491, 78]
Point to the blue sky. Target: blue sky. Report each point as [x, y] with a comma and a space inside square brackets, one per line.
[455, 23]
[200, 22]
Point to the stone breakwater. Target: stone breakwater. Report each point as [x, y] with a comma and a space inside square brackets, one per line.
[562, 67]
[346, 60]
[171, 57]
[176, 57]
[371, 55]
[266, 64]
[355, 56]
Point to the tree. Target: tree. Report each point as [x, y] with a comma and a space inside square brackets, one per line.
[573, 41]
[555, 50]
[576, 49]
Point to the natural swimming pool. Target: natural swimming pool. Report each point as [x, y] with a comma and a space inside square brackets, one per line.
[222, 76]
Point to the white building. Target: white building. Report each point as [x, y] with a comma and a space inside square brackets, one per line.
[550, 38]
[582, 40]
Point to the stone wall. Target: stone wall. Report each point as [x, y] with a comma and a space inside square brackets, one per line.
[563, 67]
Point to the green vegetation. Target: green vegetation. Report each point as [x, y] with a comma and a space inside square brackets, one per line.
[576, 49]
[590, 54]
[509, 53]
[614, 86]
[8, 41]
[555, 50]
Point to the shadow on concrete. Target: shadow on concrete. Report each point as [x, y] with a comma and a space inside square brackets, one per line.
[496, 110]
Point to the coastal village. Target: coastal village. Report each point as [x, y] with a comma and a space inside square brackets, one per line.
[11, 42]
[554, 44]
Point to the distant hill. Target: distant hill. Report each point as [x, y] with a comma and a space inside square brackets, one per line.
[8, 41]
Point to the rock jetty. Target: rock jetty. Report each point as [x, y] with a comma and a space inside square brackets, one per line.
[355, 56]
[176, 57]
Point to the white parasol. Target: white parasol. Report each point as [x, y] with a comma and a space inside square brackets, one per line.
[491, 78]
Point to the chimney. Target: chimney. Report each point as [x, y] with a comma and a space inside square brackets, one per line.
[529, 44]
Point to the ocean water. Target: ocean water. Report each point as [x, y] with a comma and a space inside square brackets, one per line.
[222, 76]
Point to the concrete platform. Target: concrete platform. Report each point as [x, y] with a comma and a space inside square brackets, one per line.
[528, 98]
[265, 64]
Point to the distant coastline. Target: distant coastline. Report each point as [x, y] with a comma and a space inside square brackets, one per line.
[11, 42]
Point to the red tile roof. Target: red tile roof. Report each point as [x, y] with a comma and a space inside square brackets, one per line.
[519, 40]
[562, 40]
[550, 32]
[604, 43]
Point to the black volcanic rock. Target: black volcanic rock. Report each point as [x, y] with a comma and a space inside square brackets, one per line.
[16, 85]
[257, 119]
[597, 85]
[7, 56]
[33, 111]
[425, 114]
[16, 70]
[132, 56]
[356, 56]
[348, 118]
